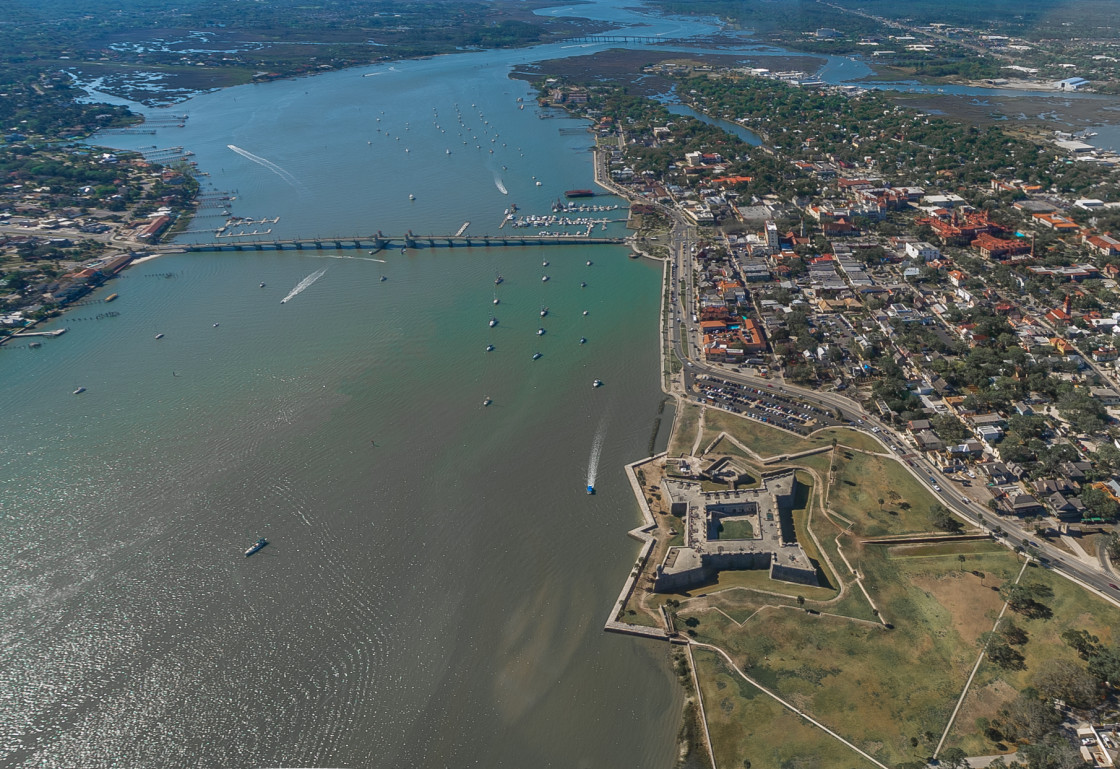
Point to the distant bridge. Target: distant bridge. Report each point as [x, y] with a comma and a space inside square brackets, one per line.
[381, 242]
[635, 39]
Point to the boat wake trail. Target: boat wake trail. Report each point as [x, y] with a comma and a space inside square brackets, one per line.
[501, 187]
[596, 451]
[267, 164]
[303, 285]
[339, 256]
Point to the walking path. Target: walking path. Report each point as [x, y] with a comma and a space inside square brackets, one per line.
[975, 667]
[1078, 551]
[784, 703]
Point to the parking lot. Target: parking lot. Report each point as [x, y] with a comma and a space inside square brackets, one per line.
[767, 405]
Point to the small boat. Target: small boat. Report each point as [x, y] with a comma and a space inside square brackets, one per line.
[383, 279]
[493, 322]
[583, 340]
[411, 196]
[216, 325]
[257, 547]
[497, 300]
[81, 390]
[262, 285]
[498, 280]
[544, 278]
[448, 151]
[588, 262]
[582, 284]
[540, 332]
[544, 263]
[585, 312]
[111, 297]
[597, 383]
[486, 401]
[34, 345]
[590, 489]
[404, 251]
[536, 356]
[538, 184]
[544, 311]
[159, 336]
[489, 348]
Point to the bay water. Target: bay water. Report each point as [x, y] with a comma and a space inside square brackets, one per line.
[437, 578]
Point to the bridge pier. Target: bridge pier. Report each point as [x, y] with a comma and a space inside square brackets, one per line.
[382, 242]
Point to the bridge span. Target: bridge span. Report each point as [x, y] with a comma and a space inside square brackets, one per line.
[379, 242]
[624, 39]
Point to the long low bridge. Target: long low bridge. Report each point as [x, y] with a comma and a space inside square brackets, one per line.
[624, 39]
[379, 242]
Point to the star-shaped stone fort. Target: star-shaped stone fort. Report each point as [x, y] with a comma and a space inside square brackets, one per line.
[741, 529]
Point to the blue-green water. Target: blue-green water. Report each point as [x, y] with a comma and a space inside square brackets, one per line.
[437, 577]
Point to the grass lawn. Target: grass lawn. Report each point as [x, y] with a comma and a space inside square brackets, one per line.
[768, 441]
[862, 480]
[745, 724]
[761, 438]
[680, 444]
[724, 446]
[736, 529]
[876, 687]
[995, 687]
[847, 437]
[939, 549]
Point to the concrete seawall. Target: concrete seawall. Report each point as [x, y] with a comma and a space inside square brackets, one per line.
[642, 534]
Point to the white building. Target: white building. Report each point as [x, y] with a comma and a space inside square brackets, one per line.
[922, 250]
